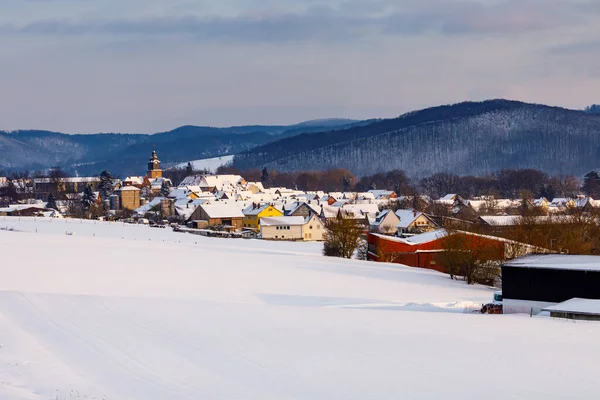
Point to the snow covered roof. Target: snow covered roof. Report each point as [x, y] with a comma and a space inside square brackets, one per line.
[361, 209]
[68, 180]
[377, 221]
[501, 220]
[186, 207]
[294, 206]
[561, 202]
[339, 203]
[407, 217]
[19, 207]
[449, 197]
[427, 237]
[148, 206]
[135, 180]
[222, 210]
[557, 261]
[381, 193]
[577, 306]
[255, 209]
[282, 221]
[129, 189]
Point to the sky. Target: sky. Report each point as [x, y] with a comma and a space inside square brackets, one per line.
[144, 66]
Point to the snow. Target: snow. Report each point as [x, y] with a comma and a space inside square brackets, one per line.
[558, 261]
[407, 217]
[210, 164]
[222, 210]
[279, 221]
[577, 305]
[102, 310]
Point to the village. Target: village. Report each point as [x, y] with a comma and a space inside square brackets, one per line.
[469, 239]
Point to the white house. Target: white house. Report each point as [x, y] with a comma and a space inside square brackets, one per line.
[412, 221]
[386, 222]
[292, 228]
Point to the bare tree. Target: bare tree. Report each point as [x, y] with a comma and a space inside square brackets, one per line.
[343, 237]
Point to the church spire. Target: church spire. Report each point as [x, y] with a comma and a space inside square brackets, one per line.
[154, 170]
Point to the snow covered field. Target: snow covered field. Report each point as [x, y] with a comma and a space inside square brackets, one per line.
[113, 311]
[210, 164]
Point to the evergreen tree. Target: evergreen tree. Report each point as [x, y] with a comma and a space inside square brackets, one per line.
[88, 197]
[189, 170]
[591, 184]
[265, 177]
[164, 189]
[105, 187]
[347, 183]
[51, 202]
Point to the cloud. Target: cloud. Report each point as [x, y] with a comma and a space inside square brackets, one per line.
[342, 21]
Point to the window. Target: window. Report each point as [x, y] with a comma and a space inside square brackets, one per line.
[310, 227]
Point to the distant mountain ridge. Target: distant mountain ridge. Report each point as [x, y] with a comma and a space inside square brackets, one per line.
[125, 154]
[470, 138]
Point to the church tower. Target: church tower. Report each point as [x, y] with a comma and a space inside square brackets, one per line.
[154, 170]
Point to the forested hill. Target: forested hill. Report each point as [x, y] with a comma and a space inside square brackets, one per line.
[470, 138]
[125, 154]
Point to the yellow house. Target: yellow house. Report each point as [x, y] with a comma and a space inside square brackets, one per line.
[254, 212]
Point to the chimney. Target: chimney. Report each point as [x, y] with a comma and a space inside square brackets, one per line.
[415, 213]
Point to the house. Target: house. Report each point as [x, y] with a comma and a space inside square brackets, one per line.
[386, 222]
[292, 228]
[44, 186]
[129, 197]
[254, 212]
[303, 209]
[24, 210]
[561, 204]
[360, 211]
[449, 199]
[281, 228]
[137, 181]
[255, 187]
[542, 203]
[534, 282]
[412, 221]
[219, 214]
[383, 194]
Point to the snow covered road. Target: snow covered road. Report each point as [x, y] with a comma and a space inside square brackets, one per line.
[109, 317]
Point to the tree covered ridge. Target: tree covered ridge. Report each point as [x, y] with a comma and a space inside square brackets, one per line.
[465, 138]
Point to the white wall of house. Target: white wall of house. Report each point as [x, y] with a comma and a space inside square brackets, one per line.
[388, 225]
[283, 232]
